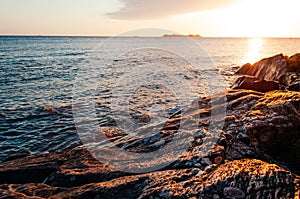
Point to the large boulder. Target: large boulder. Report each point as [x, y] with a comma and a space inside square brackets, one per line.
[282, 69]
[253, 83]
[269, 69]
[273, 124]
[294, 63]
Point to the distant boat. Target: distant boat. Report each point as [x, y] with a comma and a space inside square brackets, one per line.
[178, 35]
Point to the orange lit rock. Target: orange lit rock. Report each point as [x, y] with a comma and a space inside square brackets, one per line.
[282, 69]
[145, 118]
[269, 69]
[48, 109]
[253, 83]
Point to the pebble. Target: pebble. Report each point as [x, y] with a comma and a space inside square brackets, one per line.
[145, 118]
[218, 160]
[48, 109]
[199, 134]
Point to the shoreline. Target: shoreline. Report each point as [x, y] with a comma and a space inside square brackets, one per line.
[110, 36]
[257, 147]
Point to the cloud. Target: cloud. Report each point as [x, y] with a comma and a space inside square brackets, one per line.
[157, 9]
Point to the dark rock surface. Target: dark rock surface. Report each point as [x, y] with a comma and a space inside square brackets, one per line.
[246, 178]
[270, 69]
[281, 69]
[293, 62]
[256, 156]
[253, 83]
[294, 86]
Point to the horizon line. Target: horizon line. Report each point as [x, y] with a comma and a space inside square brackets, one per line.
[39, 35]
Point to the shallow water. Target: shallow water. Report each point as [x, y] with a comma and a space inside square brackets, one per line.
[130, 88]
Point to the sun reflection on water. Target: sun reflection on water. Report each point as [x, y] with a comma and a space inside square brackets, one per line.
[254, 50]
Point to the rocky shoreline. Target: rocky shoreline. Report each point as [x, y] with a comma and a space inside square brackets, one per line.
[256, 155]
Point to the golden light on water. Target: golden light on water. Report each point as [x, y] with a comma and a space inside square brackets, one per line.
[254, 50]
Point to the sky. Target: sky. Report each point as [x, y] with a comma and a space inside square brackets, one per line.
[211, 18]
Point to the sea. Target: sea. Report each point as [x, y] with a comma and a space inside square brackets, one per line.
[51, 88]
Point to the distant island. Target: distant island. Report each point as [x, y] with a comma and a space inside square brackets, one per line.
[179, 35]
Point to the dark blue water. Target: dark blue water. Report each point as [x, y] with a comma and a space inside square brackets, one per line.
[37, 75]
[36, 78]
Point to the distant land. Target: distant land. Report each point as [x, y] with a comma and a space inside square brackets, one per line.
[179, 35]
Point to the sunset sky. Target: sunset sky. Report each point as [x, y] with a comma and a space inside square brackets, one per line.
[212, 18]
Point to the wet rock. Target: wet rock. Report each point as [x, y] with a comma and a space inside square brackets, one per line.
[293, 62]
[295, 86]
[243, 138]
[282, 69]
[269, 69]
[218, 160]
[240, 178]
[30, 191]
[205, 161]
[145, 118]
[16, 154]
[48, 109]
[66, 168]
[199, 133]
[253, 83]
[277, 129]
[292, 77]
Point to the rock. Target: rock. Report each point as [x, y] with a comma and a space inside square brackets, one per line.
[293, 63]
[244, 69]
[282, 69]
[231, 192]
[276, 129]
[246, 178]
[229, 169]
[66, 168]
[243, 138]
[206, 161]
[253, 83]
[145, 118]
[269, 69]
[292, 81]
[158, 143]
[218, 160]
[199, 133]
[48, 109]
[295, 86]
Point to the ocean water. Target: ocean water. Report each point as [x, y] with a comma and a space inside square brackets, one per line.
[43, 78]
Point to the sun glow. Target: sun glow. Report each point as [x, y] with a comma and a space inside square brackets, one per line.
[253, 18]
[269, 18]
[254, 49]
